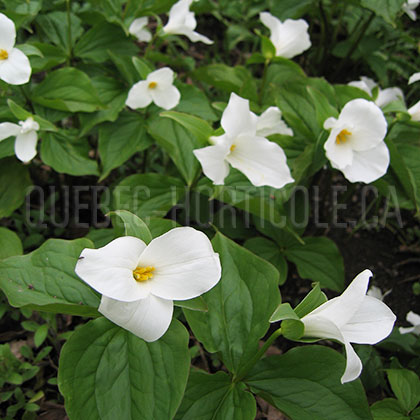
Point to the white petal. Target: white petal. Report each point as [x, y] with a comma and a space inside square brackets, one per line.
[371, 323]
[25, 146]
[138, 95]
[109, 269]
[414, 78]
[213, 161]
[413, 318]
[409, 330]
[237, 118]
[353, 365]
[166, 97]
[414, 111]
[318, 326]
[147, 318]
[272, 23]
[270, 122]
[196, 37]
[185, 264]
[8, 129]
[375, 292]
[7, 33]
[361, 85]
[294, 38]
[330, 123]
[342, 308]
[389, 95]
[137, 28]
[370, 83]
[179, 16]
[163, 76]
[367, 121]
[368, 166]
[340, 155]
[262, 161]
[16, 69]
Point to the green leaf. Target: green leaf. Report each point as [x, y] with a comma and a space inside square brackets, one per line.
[305, 384]
[29, 50]
[133, 225]
[311, 301]
[179, 143]
[96, 42]
[40, 335]
[10, 243]
[406, 386]
[196, 304]
[108, 373]
[15, 183]
[323, 108]
[45, 279]
[7, 147]
[268, 50]
[68, 154]
[124, 66]
[130, 130]
[22, 114]
[387, 9]
[388, 409]
[292, 329]
[147, 195]
[51, 56]
[67, 89]
[318, 260]
[240, 305]
[284, 311]
[142, 67]
[214, 397]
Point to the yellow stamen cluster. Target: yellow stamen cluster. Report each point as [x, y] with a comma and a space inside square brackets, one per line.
[143, 273]
[342, 136]
[152, 85]
[233, 147]
[4, 55]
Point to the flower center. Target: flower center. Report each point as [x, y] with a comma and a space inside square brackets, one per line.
[342, 136]
[233, 147]
[143, 273]
[4, 55]
[152, 85]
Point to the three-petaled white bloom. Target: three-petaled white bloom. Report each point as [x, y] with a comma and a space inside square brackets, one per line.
[352, 317]
[260, 160]
[14, 65]
[158, 88]
[182, 22]
[290, 38]
[26, 137]
[270, 122]
[414, 111]
[138, 29]
[384, 97]
[355, 145]
[409, 7]
[413, 319]
[139, 282]
[415, 77]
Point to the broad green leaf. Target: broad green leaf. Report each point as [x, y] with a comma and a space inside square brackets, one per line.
[159, 226]
[323, 108]
[388, 409]
[311, 301]
[406, 387]
[21, 114]
[305, 384]
[387, 9]
[147, 195]
[271, 252]
[214, 397]
[30, 50]
[240, 305]
[10, 243]
[196, 304]
[107, 373]
[15, 183]
[346, 93]
[51, 56]
[96, 42]
[125, 67]
[318, 260]
[67, 154]
[67, 89]
[45, 279]
[415, 415]
[7, 147]
[120, 140]
[133, 225]
[142, 66]
[179, 143]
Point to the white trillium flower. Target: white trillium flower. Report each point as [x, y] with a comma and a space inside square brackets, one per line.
[15, 68]
[290, 38]
[413, 319]
[384, 97]
[260, 160]
[355, 145]
[182, 22]
[138, 29]
[26, 137]
[139, 282]
[409, 7]
[270, 122]
[376, 292]
[158, 88]
[414, 111]
[352, 317]
[414, 78]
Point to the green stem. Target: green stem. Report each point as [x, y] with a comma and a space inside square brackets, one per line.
[242, 372]
[127, 5]
[70, 52]
[338, 24]
[264, 81]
